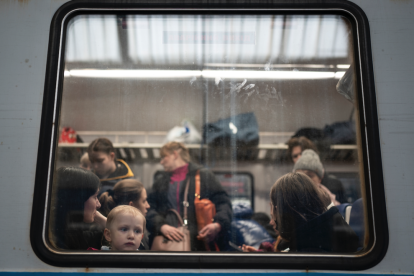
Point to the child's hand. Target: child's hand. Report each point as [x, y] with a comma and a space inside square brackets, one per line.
[171, 233]
[248, 248]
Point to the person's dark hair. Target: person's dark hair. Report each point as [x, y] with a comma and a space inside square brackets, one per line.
[301, 141]
[295, 201]
[101, 144]
[124, 191]
[74, 187]
[170, 147]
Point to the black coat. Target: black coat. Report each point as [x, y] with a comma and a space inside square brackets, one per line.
[81, 236]
[210, 188]
[326, 233]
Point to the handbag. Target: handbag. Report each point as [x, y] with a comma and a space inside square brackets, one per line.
[161, 243]
[205, 209]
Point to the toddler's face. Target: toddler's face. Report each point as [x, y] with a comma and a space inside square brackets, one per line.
[126, 232]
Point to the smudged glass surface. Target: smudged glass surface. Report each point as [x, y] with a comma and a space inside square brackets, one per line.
[233, 88]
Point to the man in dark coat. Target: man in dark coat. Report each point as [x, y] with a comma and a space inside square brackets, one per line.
[168, 193]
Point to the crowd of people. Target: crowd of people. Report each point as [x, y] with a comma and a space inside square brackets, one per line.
[100, 206]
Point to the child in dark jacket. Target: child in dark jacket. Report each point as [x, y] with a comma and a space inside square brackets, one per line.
[105, 165]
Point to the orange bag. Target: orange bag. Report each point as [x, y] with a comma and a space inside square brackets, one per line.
[204, 208]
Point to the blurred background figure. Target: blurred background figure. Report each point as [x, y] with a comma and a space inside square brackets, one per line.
[296, 146]
[310, 164]
[105, 165]
[85, 163]
[168, 193]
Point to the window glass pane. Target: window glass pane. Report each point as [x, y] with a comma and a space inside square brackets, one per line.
[250, 97]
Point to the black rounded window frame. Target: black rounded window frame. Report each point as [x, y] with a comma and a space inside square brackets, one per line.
[377, 219]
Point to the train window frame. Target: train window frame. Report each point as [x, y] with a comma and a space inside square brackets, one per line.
[371, 154]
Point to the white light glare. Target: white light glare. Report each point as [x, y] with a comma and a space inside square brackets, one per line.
[343, 66]
[214, 74]
[233, 128]
[339, 75]
[240, 74]
[146, 74]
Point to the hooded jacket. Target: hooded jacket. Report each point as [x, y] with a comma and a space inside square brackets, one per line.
[122, 172]
[210, 188]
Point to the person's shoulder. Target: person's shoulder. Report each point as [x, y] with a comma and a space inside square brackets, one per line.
[209, 175]
[122, 169]
[193, 168]
[160, 178]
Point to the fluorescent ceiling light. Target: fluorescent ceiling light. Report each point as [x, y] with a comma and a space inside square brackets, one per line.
[223, 74]
[239, 74]
[145, 74]
[270, 65]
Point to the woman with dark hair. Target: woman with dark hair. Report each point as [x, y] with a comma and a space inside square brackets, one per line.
[105, 165]
[127, 192]
[76, 210]
[300, 216]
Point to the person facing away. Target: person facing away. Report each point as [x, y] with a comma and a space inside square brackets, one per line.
[127, 192]
[310, 165]
[300, 216]
[168, 193]
[124, 229]
[77, 223]
[296, 145]
[105, 165]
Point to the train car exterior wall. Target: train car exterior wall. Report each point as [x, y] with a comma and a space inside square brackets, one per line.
[24, 37]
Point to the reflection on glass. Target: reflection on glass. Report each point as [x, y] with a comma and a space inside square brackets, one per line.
[248, 99]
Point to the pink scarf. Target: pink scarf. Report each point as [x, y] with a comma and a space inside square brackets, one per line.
[179, 174]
